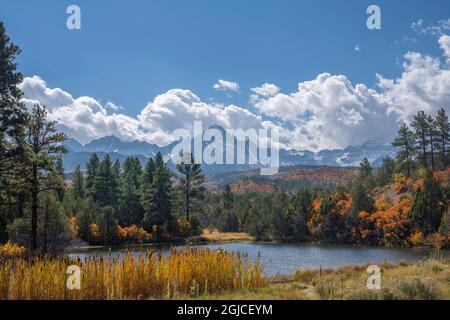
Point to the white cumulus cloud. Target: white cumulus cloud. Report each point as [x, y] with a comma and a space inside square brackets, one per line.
[224, 85]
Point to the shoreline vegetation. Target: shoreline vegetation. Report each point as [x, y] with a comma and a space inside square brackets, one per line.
[427, 280]
[182, 273]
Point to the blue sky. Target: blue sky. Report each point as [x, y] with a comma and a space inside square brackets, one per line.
[128, 52]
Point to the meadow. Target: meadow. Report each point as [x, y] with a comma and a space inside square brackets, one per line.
[427, 280]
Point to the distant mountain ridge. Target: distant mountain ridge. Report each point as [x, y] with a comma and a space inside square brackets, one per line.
[120, 150]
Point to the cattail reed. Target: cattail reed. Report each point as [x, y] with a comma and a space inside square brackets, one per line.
[149, 276]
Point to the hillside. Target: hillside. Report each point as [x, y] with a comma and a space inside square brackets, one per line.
[288, 179]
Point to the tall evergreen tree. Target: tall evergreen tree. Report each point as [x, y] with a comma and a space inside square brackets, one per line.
[78, 185]
[91, 168]
[12, 121]
[191, 183]
[131, 211]
[366, 176]
[405, 141]
[12, 110]
[156, 196]
[361, 199]
[107, 222]
[420, 126]
[298, 215]
[116, 169]
[386, 171]
[43, 148]
[432, 133]
[105, 188]
[427, 209]
[365, 169]
[227, 198]
[146, 188]
[442, 127]
[60, 171]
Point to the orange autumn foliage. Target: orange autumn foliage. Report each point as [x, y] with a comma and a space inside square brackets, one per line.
[390, 227]
[11, 250]
[442, 176]
[73, 227]
[133, 234]
[382, 204]
[94, 232]
[328, 215]
[438, 240]
[417, 239]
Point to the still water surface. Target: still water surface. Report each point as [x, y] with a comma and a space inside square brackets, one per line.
[285, 259]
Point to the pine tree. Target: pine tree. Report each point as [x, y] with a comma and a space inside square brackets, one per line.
[442, 127]
[366, 174]
[131, 211]
[299, 214]
[12, 120]
[227, 198]
[91, 168]
[78, 186]
[12, 111]
[361, 199]
[386, 171]
[420, 126]
[43, 148]
[60, 171]
[116, 169]
[107, 223]
[427, 209]
[365, 169]
[190, 183]
[105, 188]
[405, 141]
[156, 195]
[432, 139]
[146, 188]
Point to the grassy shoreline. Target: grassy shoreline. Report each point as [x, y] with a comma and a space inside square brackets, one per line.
[427, 280]
[213, 274]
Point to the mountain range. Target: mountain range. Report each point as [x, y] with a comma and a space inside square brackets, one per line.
[117, 149]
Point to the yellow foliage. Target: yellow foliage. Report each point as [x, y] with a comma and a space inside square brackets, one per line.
[181, 273]
[184, 227]
[73, 227]
[382, 204]
[94, 232]
[401, 182]
[133, 234]
[10, 250]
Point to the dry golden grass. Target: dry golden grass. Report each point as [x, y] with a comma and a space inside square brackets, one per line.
[183, 273]
[214, 235]
[427, 280]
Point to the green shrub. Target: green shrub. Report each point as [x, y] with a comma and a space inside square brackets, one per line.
[416, 289]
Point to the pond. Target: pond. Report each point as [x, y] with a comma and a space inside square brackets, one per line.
[285, 259]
